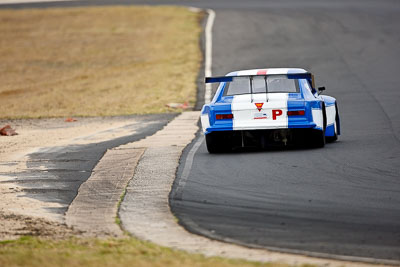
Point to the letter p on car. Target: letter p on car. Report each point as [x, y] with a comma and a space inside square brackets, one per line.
[276, 113]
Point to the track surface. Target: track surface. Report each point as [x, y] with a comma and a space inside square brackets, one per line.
[343, 199]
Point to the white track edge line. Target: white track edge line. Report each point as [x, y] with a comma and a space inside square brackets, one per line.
[188, 166]
[208, 54]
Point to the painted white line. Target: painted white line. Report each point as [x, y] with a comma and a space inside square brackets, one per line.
[187, 168]
[208, 54]
[7, 2]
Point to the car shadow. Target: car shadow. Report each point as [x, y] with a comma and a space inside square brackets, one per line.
[271, 148]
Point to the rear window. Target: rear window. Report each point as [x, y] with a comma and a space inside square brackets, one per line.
[261, 84]
[238, 86]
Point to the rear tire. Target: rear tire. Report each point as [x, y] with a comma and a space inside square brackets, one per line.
[318, 139]
[216, 143]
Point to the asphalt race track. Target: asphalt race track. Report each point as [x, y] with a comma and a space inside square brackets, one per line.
[343, 199]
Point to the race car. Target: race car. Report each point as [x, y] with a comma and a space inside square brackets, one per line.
[263, 107]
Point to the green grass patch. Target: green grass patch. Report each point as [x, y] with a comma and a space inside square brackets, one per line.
[97, 61]
[30, 251]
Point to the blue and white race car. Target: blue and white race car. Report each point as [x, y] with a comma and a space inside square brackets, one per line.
[262, 107]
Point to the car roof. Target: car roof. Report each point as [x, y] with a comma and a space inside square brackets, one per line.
[267, 71]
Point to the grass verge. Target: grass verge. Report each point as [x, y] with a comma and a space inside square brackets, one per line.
[97, 61]
[32, 251]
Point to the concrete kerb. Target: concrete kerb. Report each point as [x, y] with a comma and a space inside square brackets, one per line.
[95, 207]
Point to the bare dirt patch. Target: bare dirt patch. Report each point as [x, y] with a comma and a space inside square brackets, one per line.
[13, 226]
[34, 134]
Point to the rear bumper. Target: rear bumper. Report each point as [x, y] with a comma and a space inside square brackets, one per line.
[227, 128]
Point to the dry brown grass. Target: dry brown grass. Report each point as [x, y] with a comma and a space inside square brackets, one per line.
[29, 251]
[97, 61]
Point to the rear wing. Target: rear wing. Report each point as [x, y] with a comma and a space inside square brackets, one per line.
[221, 79]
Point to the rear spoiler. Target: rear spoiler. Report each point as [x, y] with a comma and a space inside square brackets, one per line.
[221, 79]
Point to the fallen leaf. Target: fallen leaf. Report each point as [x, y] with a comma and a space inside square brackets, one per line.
[70, 120]
[7, 130]
[178, 105]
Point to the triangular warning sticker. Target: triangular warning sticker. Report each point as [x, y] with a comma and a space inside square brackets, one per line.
[259, 106]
